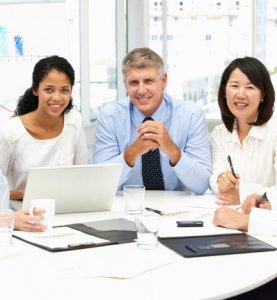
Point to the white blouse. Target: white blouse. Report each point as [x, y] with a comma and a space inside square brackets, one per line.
[4, 193]
[20, 151]
[264, 221]
[254, 159]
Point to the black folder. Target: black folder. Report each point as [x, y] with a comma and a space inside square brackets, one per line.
[215, 245]
[115, 231]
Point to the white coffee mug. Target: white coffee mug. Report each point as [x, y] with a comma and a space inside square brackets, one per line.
[49, 206]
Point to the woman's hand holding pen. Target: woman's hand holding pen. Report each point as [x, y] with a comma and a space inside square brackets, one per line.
[253, 201]
[229, 198]
[227, 181]
[228, 189]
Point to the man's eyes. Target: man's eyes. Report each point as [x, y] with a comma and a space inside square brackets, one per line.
[147, 81]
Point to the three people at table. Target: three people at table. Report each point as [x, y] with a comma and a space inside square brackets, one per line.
[45, 122]
[177, 129]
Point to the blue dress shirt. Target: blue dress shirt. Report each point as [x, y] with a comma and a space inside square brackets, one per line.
[186, 124]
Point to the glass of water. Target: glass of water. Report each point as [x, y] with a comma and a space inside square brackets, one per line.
[7, 220]
[134, 196]
[147, 226]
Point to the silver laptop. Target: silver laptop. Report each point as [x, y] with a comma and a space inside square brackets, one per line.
[81, 188]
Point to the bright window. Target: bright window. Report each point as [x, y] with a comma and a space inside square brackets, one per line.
[200, 39]
[102, 52]
[29, 32]
[270, 37]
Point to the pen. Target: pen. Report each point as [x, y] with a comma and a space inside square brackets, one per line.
[81, 244]
[231, 166]
[154, 210]
[169, 214]
[262, 199]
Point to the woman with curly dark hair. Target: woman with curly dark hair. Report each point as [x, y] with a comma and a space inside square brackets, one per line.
[46, 130]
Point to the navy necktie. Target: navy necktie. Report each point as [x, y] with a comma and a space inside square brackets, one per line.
[151, 168]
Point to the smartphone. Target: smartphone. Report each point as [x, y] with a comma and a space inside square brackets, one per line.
[189, 223]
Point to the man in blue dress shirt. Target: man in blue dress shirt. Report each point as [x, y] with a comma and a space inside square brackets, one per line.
[178, 129]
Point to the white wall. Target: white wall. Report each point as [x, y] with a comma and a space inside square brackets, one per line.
[89, 134]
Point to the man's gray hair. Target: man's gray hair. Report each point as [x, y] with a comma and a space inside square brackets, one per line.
[142, 58]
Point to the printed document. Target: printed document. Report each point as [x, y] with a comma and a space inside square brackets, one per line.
[60, 237]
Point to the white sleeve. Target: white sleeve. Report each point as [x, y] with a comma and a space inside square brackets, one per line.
[219, 163]
[272, 197]
[81, 149]
[4, 193]
[262, 221]
[5, 154]
[81, 155]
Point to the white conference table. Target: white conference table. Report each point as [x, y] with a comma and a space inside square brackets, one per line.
[30, 272]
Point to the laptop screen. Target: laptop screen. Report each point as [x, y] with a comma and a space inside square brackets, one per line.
[78, 188]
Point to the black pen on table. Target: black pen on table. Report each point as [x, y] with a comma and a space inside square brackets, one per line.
[231, 166]
[154, 210]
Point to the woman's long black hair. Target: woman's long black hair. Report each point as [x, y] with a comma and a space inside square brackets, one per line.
[260, 77]
[29, 102]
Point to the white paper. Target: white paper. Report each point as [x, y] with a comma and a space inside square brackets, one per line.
[209, 201]
[137, 262]
[59, 237]
[126, 261]
[168, 226]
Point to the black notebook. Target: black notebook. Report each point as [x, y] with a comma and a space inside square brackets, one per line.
[215, 245]
[82, 235]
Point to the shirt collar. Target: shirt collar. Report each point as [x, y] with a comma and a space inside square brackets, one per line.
[256, 132]
[159, 114]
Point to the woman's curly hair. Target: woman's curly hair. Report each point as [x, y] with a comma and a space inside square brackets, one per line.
[29, 102]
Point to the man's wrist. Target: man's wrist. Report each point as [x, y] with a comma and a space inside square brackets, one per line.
[129, 157]
[175, 155]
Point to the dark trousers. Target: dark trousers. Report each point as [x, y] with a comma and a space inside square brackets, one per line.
[267, 291]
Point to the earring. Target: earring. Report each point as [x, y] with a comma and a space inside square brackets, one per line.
[262, 100]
